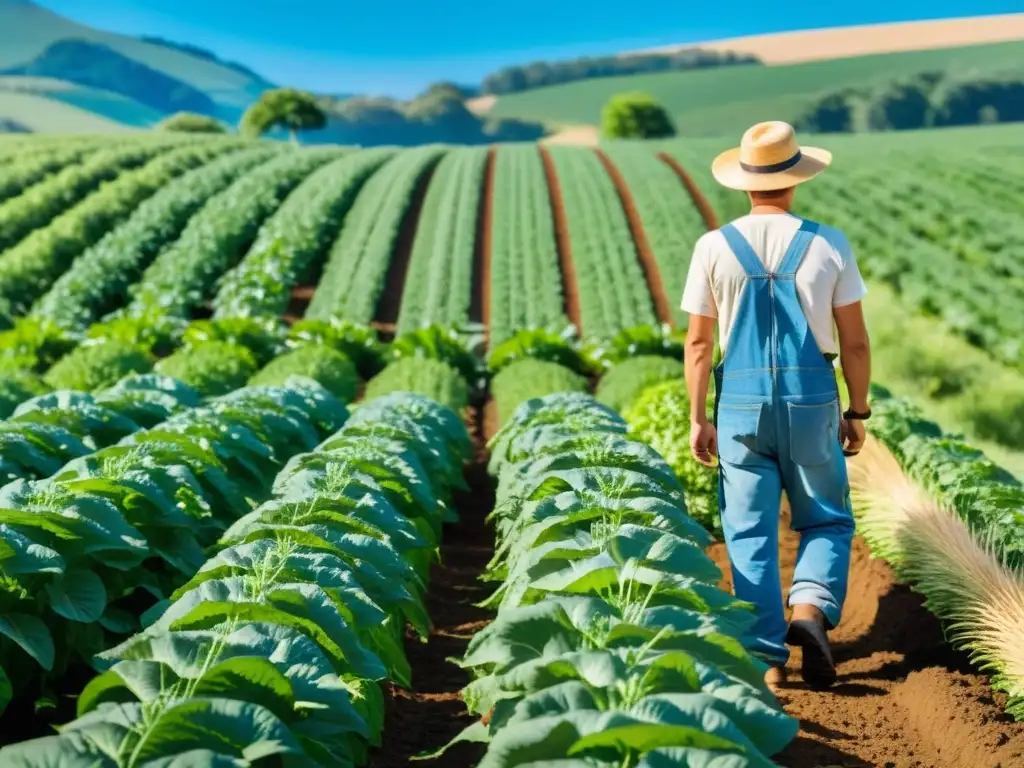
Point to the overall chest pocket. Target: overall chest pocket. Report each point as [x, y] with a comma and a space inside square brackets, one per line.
[738, 427]
[813, 432]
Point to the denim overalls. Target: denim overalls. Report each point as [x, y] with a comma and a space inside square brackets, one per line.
[777, 412]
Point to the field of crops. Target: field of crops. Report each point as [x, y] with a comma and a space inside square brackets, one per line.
[283, 431]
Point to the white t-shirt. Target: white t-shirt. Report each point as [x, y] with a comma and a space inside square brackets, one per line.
[828, 276]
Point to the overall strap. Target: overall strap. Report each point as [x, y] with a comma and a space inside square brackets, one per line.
[797, 248]
[744, 253]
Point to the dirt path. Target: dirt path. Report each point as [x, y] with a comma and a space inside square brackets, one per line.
[390, 302]
[644, 253]
[480, 300]
[430, 715]
[569, 288]
[703, 206]
[904, 698]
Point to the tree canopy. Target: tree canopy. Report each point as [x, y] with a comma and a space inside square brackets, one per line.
[190, 122]
[635, 116]
[286, 108]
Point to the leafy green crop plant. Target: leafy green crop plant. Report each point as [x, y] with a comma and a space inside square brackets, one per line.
[612, 645]
[275, 649]
[80, 546]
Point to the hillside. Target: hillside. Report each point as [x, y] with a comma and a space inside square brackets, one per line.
[869, 39]
[26, 30]
[725, 101]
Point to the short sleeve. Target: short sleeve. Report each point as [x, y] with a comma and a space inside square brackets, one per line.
[850, 286]
[698, 298]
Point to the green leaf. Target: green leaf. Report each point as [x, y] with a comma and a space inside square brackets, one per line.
[646, 737]
[78, 595]
[31, 634]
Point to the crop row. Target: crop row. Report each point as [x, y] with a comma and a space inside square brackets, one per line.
[613, 292]
[29, 269]
[135, 515]
[277, 645]
[41, 202]
[183, 276]
[25, 167]
[612, 644]
[439, 281]
[290, 246]
[98, 280]
[671, 222]
[353, 278]
[526, 284]
[948, 254]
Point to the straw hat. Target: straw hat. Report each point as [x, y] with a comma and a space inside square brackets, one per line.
[768, 158]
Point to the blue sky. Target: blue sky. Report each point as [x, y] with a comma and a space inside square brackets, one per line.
[400, 46]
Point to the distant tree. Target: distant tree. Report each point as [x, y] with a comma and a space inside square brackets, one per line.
[833, 113]
[635, 116]
[190, 122]
[284, 108]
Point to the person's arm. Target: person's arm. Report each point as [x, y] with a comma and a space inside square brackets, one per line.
[700, 350]
[854, 353]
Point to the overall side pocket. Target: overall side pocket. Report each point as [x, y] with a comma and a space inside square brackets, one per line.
[813, 432]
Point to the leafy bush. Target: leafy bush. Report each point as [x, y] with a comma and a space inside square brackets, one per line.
[660, 340]
[157, 332]
[635, 116]
[264, 337]
[212, 368]
[661, 418]
[190, 122]
[435, 379]
[358, 343]
[527, 379]
[442, 344]
[539, 344]
[623, 384]
[16, 388]
[34, 345]
[96, 366]
[328, 367]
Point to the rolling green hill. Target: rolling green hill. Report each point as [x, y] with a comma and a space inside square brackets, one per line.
[98, 103]
[46, 114]
[26, 30]
[727, 100]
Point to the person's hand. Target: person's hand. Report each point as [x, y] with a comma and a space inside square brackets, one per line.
[704, 442]
[852, 436]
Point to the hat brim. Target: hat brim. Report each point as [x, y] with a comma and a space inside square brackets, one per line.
[729, 173]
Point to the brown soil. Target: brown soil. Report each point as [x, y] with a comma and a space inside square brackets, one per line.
[390, 300]
[565, 263]
[480, 300]
[644, 253]
[703, 206]
[429, 716]
[904, 697]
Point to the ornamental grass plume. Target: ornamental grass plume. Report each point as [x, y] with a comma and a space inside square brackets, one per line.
[961, 577]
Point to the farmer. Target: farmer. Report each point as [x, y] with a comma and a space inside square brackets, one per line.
[774, 283]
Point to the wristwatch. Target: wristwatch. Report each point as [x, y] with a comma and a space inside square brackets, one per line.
[851, 414]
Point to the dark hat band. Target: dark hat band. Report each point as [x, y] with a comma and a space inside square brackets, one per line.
[785, 165]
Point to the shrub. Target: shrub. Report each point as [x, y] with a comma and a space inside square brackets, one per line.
[16, 388]
[96, 366]
[212, 368]
[435, 379]
[328, 367]
[527, 379]
[661, 418]
[623, 384]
